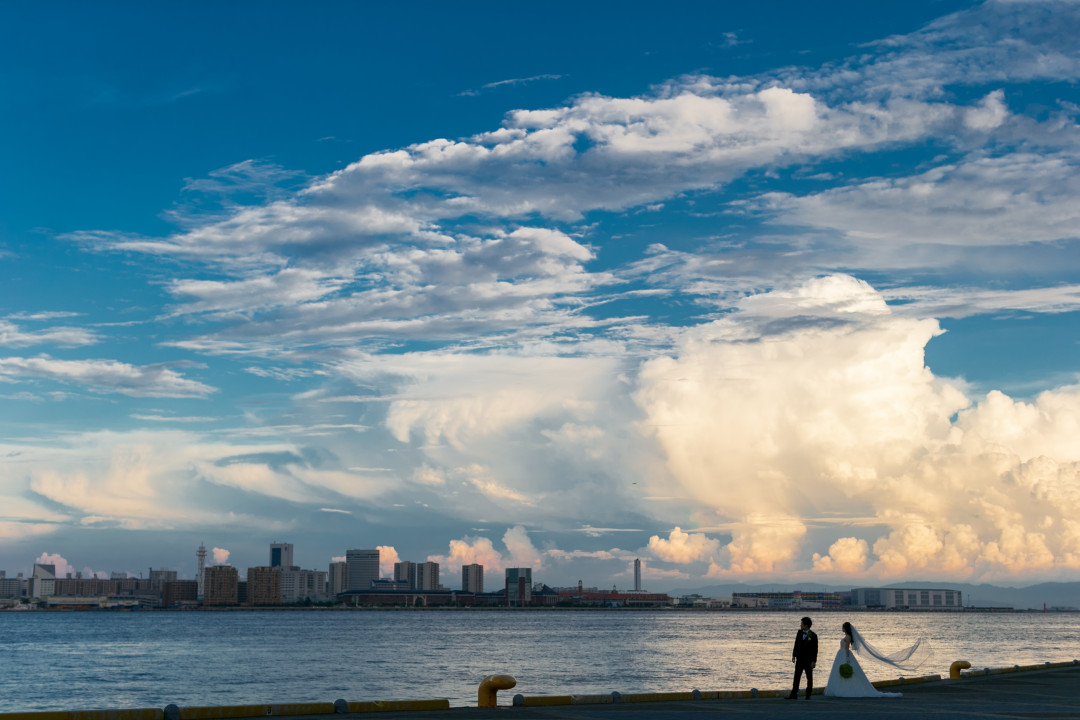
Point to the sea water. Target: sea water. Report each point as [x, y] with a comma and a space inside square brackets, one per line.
[97, 660]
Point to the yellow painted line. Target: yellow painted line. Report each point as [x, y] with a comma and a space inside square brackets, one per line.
[591, 699]
[656, 697]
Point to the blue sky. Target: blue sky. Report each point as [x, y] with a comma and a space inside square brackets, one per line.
[751, 293]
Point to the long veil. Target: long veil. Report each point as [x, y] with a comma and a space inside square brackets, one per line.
[909, 659]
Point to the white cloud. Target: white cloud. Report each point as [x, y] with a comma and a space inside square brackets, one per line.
[847, 556]
[821, 415]
[520, 549]
[470, 551]
[387, 557]
[220, 556]
[11, 335]
[682, 547]
[106, 376]
[1016, 199]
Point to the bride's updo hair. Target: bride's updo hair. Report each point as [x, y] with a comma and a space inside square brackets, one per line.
[847, 628]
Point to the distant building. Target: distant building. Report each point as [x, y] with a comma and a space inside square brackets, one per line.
[299, 585]
[472, 578]
[200, 572]
[42, 582]
[427, 576]
[796, 600]
[220, 585]
[363, 568]
[281, 555]
[339, 578]
[518, 586]
[12, 587]
[907, 598]
[637, 574]
[159, 577]
[180, 592]
[405, 571]
[263, 586]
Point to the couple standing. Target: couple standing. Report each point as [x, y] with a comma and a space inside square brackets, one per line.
[847, 679]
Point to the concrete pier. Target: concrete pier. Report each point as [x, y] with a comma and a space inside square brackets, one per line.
[1050, 693]
[1016, 692]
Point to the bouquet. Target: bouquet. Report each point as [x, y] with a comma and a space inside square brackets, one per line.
[846, 671]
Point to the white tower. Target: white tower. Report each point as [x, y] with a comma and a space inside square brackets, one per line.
[637, 574]
[201, 556]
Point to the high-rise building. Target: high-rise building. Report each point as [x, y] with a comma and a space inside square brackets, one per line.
[427, 576]
[281, 555]
[264, 585]
[220, 585]
[298, 585]
[363, 568]
[637, 574]
[159, 577]
[42, 581]
[518, 586]
[472, 578]
[405, 571]
[200, 557]
[339, 578]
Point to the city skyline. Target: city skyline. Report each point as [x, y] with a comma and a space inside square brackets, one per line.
[780, 292]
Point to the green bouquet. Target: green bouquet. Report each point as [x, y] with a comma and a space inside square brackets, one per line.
[846, 671]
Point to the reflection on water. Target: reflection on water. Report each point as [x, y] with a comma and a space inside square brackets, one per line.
[57, 661]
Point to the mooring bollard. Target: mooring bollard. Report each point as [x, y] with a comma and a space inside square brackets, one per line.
[490, 686]
[956, 667]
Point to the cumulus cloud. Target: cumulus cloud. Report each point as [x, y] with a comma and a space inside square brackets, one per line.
[387, 557]
[836, 412]
[682, 547]
[846, 556]
[220, 556]
[520, 549]
[470, 551]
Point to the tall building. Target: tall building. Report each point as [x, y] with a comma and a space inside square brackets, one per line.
[518, 586]
[42, 581]
[427, 576]
[363, 568]
[264, 585]
[159, 577]
[405, 571]
[220, 585]
[298, 585]
[281, 555]
[339, 578]
[472, 578]
[637, 574]
[200, 557]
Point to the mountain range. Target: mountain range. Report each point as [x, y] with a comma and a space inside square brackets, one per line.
[1033, 597]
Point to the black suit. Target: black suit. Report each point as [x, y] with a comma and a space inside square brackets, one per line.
[805, 656]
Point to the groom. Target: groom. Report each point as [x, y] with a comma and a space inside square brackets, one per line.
[804, 655]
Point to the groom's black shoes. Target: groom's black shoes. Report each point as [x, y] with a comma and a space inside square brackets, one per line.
[792, 696]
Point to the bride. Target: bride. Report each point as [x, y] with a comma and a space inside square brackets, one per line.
[856, 684]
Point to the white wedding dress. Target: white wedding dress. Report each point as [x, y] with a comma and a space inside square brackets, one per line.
[855, 686]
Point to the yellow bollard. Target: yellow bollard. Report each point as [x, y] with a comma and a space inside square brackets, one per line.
[491, 685]
[956, 667]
